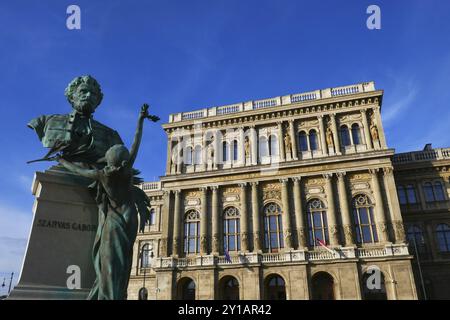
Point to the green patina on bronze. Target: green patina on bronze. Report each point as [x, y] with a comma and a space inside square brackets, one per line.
[91, 149]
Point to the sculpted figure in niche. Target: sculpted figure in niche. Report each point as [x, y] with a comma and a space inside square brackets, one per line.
[211, 150]
[247, 147]
[288, 143]
[329, 136]
[374, 130]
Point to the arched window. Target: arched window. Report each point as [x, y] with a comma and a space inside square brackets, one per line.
[373, 285]
[416, 240]
[225, 152]
[443, 237]
[186, 289]
[302, 141]
[345, 136]
[235, 150]
[231, 229]
[275, 288]
[229, 288]
[313, 144]
[152, 218]
[356, 134]
[146, 255]
[317, 222]
[322, 286]
[273, 227]
[273, 145]
[188, 156]
[191, 232]
[263, 148]
[366, 231]
[198, 155]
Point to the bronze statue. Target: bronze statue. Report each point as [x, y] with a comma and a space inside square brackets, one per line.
[118, 222]
[94, 150]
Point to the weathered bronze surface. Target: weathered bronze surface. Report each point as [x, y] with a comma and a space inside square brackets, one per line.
[91, 149]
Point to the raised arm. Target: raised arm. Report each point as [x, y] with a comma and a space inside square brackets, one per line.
[92, 174]
[138, 134]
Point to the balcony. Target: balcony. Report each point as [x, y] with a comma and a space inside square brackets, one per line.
[273, 102]
[420, 156]
[293, 256]
[151, 186]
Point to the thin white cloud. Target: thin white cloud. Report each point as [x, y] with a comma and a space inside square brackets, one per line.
[14, 229]
[403, 98]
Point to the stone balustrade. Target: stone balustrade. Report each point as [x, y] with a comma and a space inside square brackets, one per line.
[284, 257]
[425, 155]
[151, 186]
[273, 102]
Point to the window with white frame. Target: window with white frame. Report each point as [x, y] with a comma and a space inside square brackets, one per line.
[231, 229]
[192, 232]
[317, 222]
[364, 221]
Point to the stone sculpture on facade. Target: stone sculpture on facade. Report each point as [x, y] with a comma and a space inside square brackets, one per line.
[329, 137]
[288, 143]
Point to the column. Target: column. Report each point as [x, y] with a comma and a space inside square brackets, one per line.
[177, 219]
[366, 130]
[345, 212]
[331, 213]
[254, 145]
[244, 219]
[337, 143]
[255, 215]
[323, 141]
[286, 215]
[299, 215]
[241, 147]
[164, 252]
[376, 112]
[379, 208]
[281, 141]
[169, 153]
[204, 222]
[215, 221]
[394, 205]
[293, 139]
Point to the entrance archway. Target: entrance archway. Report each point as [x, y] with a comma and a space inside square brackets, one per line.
[229, 288]
[275, 288]
[323, 286]
[186, 289]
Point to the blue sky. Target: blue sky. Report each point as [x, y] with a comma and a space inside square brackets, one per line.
[186, 55]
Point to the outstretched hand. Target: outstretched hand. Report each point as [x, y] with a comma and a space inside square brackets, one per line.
[144, 114]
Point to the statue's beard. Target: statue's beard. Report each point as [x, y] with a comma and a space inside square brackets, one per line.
[85, 107]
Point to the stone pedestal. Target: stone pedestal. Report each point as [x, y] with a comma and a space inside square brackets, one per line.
[59, 249]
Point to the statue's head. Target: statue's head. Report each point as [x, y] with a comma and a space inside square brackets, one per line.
[84, 94]
[117, 156]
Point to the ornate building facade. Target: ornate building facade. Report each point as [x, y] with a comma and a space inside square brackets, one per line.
[292, 197]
